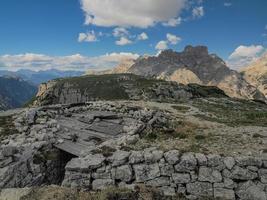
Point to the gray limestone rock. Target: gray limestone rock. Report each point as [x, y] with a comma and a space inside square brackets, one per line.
[200, 189]
[181, 178]
[145, 172]
[172, 157]
[209, 175]
[123, 173]
[187, 163]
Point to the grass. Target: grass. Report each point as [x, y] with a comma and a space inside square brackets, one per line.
[112, 193]
[7, 126]
[232, 112]
[182, 109]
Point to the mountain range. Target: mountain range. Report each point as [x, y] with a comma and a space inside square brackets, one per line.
[40, 76]
[193, 65]
[15, 92]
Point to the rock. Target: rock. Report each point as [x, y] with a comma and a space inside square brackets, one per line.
[146, 172]
[187, 163]
[100, 184]
[225, 194]
[14, 193]
[159, 182]
[200, 189]
[9, 151]
[229, 162]
[248, 161]
[152, 156]
[227, 183]
[201, 159]
[166, 169]
[263, 175]
[239, 173]
[209, 175]
[119, 158]
[172, 157]
[168, 191]
[30, 115]
[86, 164]
[249, 191]
[123, 173]
[136, 157]
[181, 178]
[216, 162]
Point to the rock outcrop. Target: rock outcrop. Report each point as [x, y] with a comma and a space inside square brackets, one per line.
[196, 65]
[119, 87]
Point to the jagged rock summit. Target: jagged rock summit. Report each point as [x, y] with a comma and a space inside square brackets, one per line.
[196, 65]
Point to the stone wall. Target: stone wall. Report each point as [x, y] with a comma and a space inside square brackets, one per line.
[194, 175]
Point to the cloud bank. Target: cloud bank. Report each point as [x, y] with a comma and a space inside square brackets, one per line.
[244, 55]
[77, 62]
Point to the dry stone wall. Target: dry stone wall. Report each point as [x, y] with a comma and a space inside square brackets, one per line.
[194, 175]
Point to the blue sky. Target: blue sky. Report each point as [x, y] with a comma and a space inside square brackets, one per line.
[38, 30]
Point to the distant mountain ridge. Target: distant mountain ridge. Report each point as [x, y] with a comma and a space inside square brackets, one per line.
[15, 92]
[40, 76]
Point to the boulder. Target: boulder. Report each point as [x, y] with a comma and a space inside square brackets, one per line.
[119, 158]
[200, 189]
[136, 157]
[187, 163]
[146, 172]
[172, 157]
[206, 174]
[249, 191]
[123, 173]
[100, 184]
[181, 178]
[223, 193]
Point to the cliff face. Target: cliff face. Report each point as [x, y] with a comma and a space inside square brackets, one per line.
[196, 65]
[256, 74]
[118, 87]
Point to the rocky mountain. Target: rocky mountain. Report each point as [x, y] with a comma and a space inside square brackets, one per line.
[40, 76]
[15, 92]
[196, 65]
[256, 74]
[118, 87]
[121, 68]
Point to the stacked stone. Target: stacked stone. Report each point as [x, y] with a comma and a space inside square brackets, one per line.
[194, 175]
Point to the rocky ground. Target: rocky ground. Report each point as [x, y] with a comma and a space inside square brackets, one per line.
[39, 147]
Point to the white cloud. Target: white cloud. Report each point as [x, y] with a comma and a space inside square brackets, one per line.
[142, 36]
[120, 32]
[173, 22]
[244, 55]
[173, 39]
[227, 4]
[198, 12]
[123, 41]
[38, 62]
[162, 45]
[129, 13]
[87, 37]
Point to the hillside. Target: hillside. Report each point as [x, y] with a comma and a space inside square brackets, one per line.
[118, 87]
[256, 74]
[15, 92]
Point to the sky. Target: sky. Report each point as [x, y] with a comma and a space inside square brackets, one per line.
[94, 34]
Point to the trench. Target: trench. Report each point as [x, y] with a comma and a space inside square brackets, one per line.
[53, 164]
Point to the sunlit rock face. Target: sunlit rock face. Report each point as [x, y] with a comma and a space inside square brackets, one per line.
[196, 65]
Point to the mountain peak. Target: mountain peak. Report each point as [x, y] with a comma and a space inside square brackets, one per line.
[197, 50]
